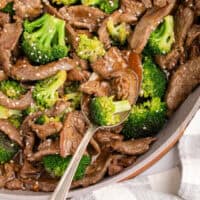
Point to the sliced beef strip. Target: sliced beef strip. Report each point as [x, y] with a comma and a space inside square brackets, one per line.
[14, 184]
[194, 50]
[117, 17]
[27, 8]
[197, 7]
[3, 76]
[48, 147]
[147, 24]
[124, 85]
[83, 64]
[133, 147]
[82, 16]
[47, 129]
[97, 88]
[7, 128]
[4, 19]
[19, 104]
[71, 134]
[95, 172]
[78, 74]
[160, 3]
[119, 162]
[24, 71]
[110, 63]
[147, 3]
[192, 34]
[29, 171]
[182, 82]
[183, 21]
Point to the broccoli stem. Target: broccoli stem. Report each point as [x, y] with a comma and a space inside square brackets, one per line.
[121, 106]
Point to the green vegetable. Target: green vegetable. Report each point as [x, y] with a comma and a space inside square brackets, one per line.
[12, 88]
[43, 119]
[145, 119]
[30, 110]
[8, 9]
[154, 80]
[5, 113]
[108, 6]
[89, 49]
[64, 2]
[118, 33]
[16, 120]
[44, 39]
[7, 148]
[104, 111]
[45, 92]
[161, 40]
[56, 165]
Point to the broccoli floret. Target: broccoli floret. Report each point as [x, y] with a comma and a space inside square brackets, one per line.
[118, 33]
[145, 119]
[7, 148]
[161, 40]
[12, 88]
[90, 2]
[73, 95]
[104, 111]
[16, 120]
[43, 40]
[89, 49]
[5, 113]
[43, 119]
[45, 92]
[8, 9]
[109, 6]
[154, 79]
[64, 2]
[56, 165]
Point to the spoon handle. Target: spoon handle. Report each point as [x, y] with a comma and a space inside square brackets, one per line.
[62, 189]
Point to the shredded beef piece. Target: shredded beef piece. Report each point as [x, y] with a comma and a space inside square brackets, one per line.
[14, 184]
[7, 128]
[192, 34]
[95, 172]
[24, 71]
[45, 130]
[110, 63]
[119, 162]
[4, 19]
[124, 85]
[147, 3]
[160, 3]
[48, 147]
[77, 74]
[147, 23]
[3, 76]
[27, 8]
[82, 16]
[133, 147]
[71, 134]
[183, 21]
[19, 104]
[97, 88]
[182, 82]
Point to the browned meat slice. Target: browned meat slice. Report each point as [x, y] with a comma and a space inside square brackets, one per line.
[183, 21]
[106, 137]
[182, 82]
[48, 147]
[133, 147]
[197, 7]
[24, 71]
[71, 134]
[97, 88]
[119, 162]
[44, 185]
[110, 63]
[19, 104]
[124, 85]
[27, 8]
[83, 16]
[95, 172]
[77, 74]
[117, 17]
[3, 3]
[192, 34]
[160, 3]
[14, 184]
[28, 171]
[4, 19]
[45, 130]
[7, 128]
[147, 3]
[83, 64]
[134, 8]
[3, 76]
[147, 24]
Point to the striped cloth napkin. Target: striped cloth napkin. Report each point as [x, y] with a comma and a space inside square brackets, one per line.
[182, 183]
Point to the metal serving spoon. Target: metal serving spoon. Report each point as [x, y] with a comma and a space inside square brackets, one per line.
[63, 187]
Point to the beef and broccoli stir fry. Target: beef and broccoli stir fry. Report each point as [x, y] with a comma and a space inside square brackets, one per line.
[103, 57]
